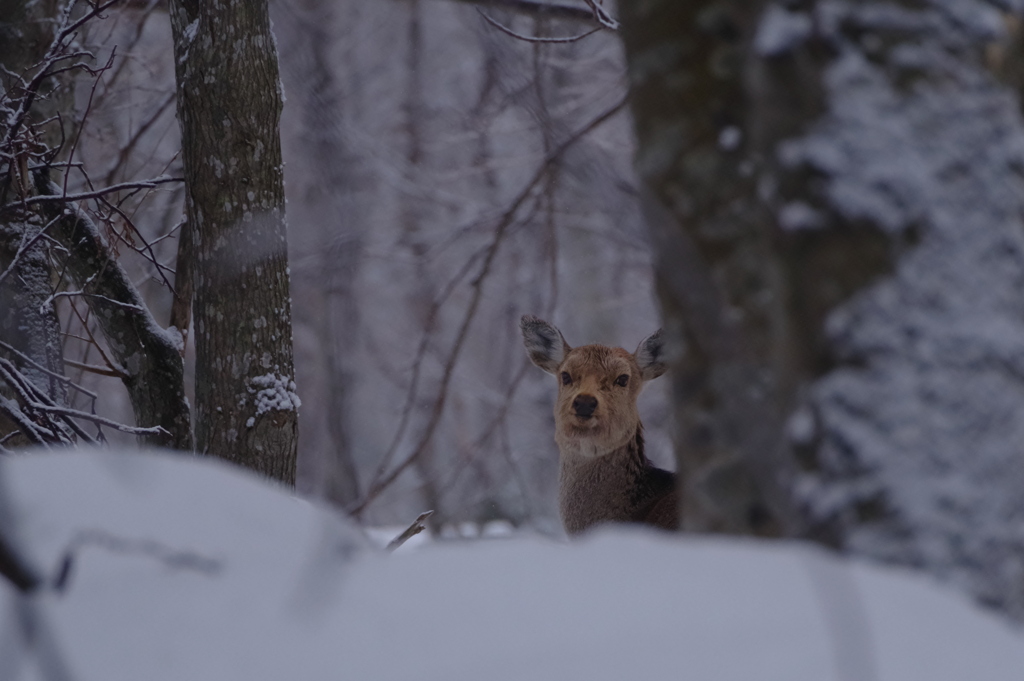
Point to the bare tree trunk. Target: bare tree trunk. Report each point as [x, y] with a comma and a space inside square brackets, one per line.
[229, 108]
[336, 206]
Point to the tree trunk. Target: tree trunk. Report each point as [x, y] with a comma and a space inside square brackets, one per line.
[327, 233]
[746, 298]
[28, 319]
[229, 107]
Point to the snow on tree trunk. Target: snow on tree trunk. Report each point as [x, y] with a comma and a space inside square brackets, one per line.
[919, 427]
[229, 107]
[836, 201]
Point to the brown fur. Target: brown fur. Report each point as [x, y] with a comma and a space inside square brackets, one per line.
[604, 474]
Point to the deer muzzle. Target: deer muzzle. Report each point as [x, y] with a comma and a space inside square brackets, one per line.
[584, 406]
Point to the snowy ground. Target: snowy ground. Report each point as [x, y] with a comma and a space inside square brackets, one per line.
[186, 569]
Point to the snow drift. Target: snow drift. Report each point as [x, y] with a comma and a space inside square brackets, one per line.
[185, 568]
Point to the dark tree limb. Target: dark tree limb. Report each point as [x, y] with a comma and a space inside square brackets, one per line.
[149, 357]
[15, 570]
[538, 8]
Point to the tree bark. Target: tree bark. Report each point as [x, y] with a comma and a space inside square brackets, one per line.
[745, 298]
[229, 108]
[28, 319]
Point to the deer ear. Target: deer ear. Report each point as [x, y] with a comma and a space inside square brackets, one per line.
[544, 343]
[650, 356]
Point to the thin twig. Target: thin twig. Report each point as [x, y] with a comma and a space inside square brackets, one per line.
[535, 8]
[53, 54]
[126, 150]
[535, 39]
[85, 115]
[68, 294]
[173, 558]
[601, 16]
[52, 374]
[98, 193]
[12, 411]
[91, 340]
[30, 395]
[95, 418]
[95, 369]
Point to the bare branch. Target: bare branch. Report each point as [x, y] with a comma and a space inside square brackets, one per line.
[415, 528]
[94, 369]
[54, 54]
[538, 8]
[68, 294]
[39, 367]
[88, 107]
[127, 149]
[535, 39]
[10, 409]
[39, 405]
[96, 194]
[13, 566]
[94, 418]
[601, 16]
[173, 558]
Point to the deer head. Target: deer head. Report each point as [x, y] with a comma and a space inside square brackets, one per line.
[598, 386]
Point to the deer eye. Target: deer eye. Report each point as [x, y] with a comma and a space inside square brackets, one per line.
[566, 378]
[622, 380]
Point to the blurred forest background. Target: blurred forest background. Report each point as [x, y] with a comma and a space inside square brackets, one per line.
[822, 201]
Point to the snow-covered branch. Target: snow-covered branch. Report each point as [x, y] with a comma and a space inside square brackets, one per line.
[149, 356]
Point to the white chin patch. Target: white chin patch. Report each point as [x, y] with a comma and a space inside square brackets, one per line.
[584, 447]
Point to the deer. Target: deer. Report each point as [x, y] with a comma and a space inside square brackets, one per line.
[604, 474]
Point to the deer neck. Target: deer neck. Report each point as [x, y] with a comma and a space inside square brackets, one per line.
[597, 487]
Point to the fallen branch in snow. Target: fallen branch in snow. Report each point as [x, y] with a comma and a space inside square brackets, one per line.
[179, 560]
[15, 570]
[411, 531]
[12, 565]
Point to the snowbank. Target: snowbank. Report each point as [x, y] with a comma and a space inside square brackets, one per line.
[188, 569]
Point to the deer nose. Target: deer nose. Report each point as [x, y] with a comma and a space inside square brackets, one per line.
[584, 405]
